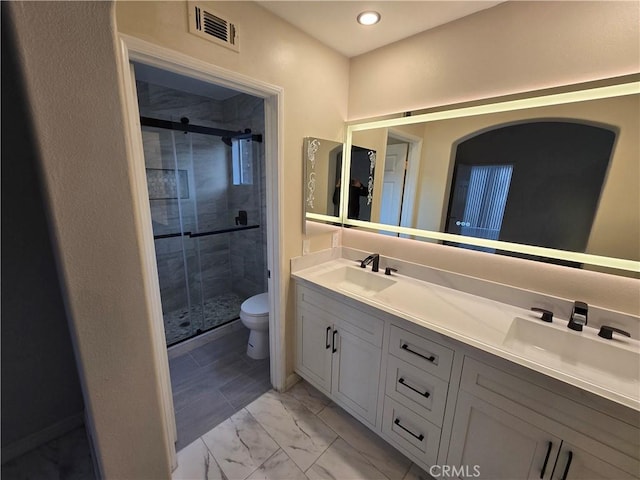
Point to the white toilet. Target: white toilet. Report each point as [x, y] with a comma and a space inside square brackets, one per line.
[254, 314]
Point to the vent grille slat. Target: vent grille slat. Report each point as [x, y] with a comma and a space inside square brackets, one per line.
[212, 27]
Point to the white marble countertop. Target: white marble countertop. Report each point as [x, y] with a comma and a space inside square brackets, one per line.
[581, 359]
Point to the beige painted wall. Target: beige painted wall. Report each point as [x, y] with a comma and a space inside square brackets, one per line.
[510, 48]
[72, 82]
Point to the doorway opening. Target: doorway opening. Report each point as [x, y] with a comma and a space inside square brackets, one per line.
[204, 163]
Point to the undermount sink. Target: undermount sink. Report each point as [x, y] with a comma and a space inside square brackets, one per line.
[581, 350]
[356, 280]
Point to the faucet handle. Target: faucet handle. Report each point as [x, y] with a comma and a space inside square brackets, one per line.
[578, 318]
[607, 332]
[388, 270]
[547, 315]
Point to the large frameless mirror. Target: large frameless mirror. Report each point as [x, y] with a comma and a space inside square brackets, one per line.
[552, 176]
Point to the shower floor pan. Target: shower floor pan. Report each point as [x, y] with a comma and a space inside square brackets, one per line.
[182, 324]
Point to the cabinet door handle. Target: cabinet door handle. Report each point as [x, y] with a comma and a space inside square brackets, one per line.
[326, 338]
[566, 469]
[406, 347]
[334, 349]
[419, 437]
[424, 394]
[546, 460]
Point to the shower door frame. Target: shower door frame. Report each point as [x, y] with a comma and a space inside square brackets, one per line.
[135, 50]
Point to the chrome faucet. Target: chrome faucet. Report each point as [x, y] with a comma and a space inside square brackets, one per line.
[375, 258]
[578, 318]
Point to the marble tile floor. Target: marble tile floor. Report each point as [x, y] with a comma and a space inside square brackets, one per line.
[212, 382]
[296, 435]
[65, 458]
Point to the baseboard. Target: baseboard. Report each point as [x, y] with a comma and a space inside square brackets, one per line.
[41, 437]
[291, 381]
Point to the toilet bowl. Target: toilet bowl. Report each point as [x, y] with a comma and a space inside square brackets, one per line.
[254, 314]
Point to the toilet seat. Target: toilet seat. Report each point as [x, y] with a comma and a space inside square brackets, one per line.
[256, 306]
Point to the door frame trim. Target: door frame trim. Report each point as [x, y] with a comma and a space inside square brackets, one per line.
[134, 49]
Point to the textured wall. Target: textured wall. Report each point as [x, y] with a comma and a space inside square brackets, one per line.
[510, 48]
[72, 83]
[40, 384]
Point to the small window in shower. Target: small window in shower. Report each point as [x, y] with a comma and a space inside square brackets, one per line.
[242, 165]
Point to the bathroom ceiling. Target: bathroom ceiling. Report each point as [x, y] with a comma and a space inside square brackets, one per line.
[334, 22]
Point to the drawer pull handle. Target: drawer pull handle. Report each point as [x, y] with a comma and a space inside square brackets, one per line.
[546, 460]
[334, 349]
[326, 339]
[566, 469]
[425, 394]
[419, 437]
[406, 347]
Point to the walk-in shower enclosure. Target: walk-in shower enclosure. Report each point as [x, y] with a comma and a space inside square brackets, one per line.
[206, 196]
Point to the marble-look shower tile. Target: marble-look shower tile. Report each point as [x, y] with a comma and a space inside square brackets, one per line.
[309, 396]
[196, 461]
[278, 467]
[342, 461]
[378, 452]
[301, 434]
[240, 445]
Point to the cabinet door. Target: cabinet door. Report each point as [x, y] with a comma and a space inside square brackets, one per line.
[313, 349]
[356, 372]
[497, 445]
[576, 464]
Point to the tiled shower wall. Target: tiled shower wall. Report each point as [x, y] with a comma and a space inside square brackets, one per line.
[212, 201]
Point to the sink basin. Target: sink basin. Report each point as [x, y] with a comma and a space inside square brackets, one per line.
[356, 280]
[584, 351]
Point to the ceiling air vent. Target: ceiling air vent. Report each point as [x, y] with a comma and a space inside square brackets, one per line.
[212, 26]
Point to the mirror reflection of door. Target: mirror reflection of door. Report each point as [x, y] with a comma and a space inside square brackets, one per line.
[395, 167]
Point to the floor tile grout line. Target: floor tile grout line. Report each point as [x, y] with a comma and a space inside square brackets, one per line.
[324, 451]
[360, 452]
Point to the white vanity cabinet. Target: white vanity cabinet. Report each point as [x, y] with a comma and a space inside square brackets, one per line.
[339, 350]
[442, 402]
[514, 429]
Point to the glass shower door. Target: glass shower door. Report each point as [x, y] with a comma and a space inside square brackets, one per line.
[210, 249]
[167, 172]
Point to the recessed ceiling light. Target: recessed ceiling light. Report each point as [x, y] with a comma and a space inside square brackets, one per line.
[368, 18]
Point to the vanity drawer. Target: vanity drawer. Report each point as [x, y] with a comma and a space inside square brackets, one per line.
[422, 392]
[420, 352]
[410, 432]
[359, 323]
